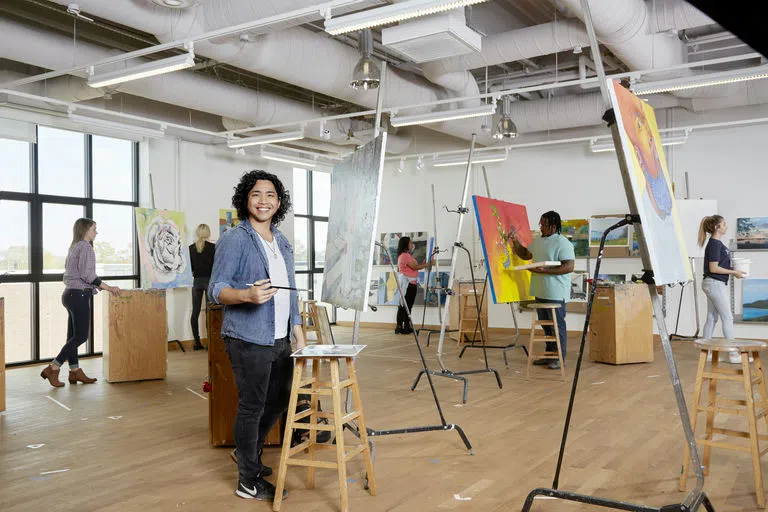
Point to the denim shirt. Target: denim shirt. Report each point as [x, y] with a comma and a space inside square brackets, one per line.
[239, 260]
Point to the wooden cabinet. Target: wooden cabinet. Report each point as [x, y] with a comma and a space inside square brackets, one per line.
[136, 341]
[621, 326]
[463, 310]
[2, 354]
[222, 399]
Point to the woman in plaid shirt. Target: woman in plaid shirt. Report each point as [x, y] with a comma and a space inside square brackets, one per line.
[81, 282]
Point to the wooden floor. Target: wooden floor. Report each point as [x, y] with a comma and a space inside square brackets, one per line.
[144, 446]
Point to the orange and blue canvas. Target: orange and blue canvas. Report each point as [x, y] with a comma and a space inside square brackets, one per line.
[495, 220]
[651, 186]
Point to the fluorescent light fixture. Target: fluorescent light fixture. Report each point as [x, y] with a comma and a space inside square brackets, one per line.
[478, 158]
[145, 70]
[265, 139]
[670, 140]
[392, 13]
[444, 115]
[705, 80]
[304, 159]
[112, 125]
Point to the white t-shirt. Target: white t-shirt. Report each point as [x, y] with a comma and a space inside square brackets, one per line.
[278, 275]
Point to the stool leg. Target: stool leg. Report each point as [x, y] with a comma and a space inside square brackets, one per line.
[753, 439]
[758, 364]
[694, 415]
[312, 422]
[298, 369]
[530, 347]
[337, 420]
[711, 402]
[559, 348]
[361, 426]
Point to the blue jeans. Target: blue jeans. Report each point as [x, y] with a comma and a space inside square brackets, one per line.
[546, 314]
[78, 304]
[263, 374]
[718, 306]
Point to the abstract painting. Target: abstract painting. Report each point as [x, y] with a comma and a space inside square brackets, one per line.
[390, 241]
[577, 231]
[422, 243]
[651, 187]
[579, 284]
[389, 294]
[754, 300]
[354, 212]
[227, 220]
[616, 238]
[752, 233]
[162, 248]
[496, 220]
[438, 283]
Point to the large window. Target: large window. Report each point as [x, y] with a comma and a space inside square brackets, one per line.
[311, 196]
[44, 188]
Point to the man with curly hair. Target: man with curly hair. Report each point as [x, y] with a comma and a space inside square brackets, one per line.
[258, 320]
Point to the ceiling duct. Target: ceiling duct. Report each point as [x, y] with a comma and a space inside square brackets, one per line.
[433, 37]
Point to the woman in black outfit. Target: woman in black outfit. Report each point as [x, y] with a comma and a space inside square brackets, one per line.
[201, 258]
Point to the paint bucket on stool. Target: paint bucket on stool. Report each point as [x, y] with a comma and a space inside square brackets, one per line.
[742, 264]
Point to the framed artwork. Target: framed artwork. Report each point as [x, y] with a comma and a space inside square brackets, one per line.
[577, 231]
[616, 238]
[752, 233]
[754, 300]
[227, 220]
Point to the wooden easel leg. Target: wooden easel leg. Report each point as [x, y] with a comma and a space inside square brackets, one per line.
[313, 422]
[753, 439]
[298, 370]
[530, 348]
[337, 420]
[763, 391]
[711, 401]
[694, 416]
[361, 426]
[559, 347]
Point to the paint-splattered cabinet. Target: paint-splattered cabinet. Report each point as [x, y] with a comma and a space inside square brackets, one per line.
[136, 343]
[222, 399]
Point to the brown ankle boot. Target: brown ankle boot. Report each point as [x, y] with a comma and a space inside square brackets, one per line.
[79, 375]
[52, 374]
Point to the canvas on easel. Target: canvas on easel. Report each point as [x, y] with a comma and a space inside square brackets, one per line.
[162, 248]
[651, 186]
[495, 220]
[354, 211]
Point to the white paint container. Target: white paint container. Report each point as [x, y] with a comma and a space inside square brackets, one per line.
[742, 264]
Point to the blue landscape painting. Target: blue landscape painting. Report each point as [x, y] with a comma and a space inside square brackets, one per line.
[754, 300]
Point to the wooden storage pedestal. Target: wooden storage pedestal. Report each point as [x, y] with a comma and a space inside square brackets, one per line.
[135, 344]
[463, 311]
[621, 327]
[222, 400]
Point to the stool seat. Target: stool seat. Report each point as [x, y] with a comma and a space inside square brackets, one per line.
[730, 345]
[543, 305]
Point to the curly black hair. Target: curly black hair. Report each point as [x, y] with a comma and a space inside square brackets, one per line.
[247, 182]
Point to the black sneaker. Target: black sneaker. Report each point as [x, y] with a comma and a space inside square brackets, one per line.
[265, 470]
[398, 330]
[259, 489]
[554, 365]
[543, 362]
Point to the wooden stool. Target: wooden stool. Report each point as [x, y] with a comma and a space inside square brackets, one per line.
[750, 375]
[542, 337]
[309, 320]
[336, 419]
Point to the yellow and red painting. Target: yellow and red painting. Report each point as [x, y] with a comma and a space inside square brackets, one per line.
[496, 220]
[651, 186]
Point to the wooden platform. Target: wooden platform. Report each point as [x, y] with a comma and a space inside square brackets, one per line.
[154, 454]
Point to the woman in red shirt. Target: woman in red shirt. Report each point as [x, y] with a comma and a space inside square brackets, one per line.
[409, 268]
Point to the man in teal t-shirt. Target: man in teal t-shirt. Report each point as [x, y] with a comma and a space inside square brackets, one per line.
[550, 284]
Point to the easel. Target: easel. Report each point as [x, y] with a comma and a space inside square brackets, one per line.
[445, 372]
[152, 194]
[695, 290]
[514, 343]
[696, 498]
[444, 426]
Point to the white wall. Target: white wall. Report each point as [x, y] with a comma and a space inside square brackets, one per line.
[198, 180]
[724, 164]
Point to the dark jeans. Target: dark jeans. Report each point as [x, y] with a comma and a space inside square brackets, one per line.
[198, 289]
[263, 375]
[78, 304]
[546, 314]
[402, 313]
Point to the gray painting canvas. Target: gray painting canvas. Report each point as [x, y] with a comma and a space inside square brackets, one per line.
[355, 194]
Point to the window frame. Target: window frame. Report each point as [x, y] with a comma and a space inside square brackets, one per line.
[36, 274]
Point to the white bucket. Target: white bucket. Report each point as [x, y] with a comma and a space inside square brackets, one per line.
[742, 264]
